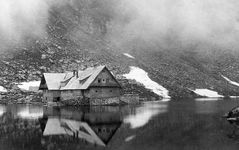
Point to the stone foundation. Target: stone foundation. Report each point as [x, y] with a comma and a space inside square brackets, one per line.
[130, 99]
[75, 102]
[125, 99]
[105, 101]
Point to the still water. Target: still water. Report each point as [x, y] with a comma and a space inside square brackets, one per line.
[181, 125]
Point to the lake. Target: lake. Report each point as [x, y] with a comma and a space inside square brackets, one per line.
[167, 125]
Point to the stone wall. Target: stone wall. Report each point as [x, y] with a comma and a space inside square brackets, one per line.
[76, 102]
[76, 98]
[48, 96]
[102, 92]
[71, 94]
[105, 101]
[130, 98]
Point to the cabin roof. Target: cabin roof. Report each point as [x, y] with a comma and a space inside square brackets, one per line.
[83, 81]
[53, 80]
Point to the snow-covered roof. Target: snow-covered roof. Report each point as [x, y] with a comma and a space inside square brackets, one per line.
[53, 80]
[83, 81]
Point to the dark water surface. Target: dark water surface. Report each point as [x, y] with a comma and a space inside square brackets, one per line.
[185, 124]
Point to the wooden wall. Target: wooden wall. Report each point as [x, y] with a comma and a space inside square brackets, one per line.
[105, 79]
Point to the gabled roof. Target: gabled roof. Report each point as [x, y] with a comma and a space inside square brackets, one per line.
[53, 80]
[71, 82]
[94, 74]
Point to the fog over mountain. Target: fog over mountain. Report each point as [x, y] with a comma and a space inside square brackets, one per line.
[169, 23]
[181, 22]
[182, 44]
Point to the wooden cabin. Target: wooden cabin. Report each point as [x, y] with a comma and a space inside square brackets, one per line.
[95, 82]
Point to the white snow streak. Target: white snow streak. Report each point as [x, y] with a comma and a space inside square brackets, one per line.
[29, 85]
[128, 55]
[207, 93]
[2, 89]
[230, 81]
[142, 77]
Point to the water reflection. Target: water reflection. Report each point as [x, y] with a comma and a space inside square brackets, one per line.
[145, 113]
[129, 138]
[65, 125]
[208, 99]
[179, 125]
[2, 109]
[206, 107]
[77, 129]
[30, 112]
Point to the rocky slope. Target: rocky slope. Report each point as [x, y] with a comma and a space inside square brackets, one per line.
[77, 37]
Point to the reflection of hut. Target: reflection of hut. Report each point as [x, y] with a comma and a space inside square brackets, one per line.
[63, 113]
[104, 124]
[102, 118]
[96, 128]
[56, 126]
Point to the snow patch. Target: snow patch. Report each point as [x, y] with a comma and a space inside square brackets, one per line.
[2, 89]
[207, 93]
[142, 77]
[230, 81]
[128, 55]
[29, 86]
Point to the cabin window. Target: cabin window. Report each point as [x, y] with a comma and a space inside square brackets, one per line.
[96, 91]
[99, 80]
[103, 80]
[56, 99]
[99, 129]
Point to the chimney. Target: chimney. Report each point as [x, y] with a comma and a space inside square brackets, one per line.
[75, 73]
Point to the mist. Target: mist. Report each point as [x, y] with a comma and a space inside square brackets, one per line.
[168, 23]
[178, 23]
[22, 18]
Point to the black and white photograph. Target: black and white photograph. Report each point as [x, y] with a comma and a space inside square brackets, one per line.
[119, 74]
